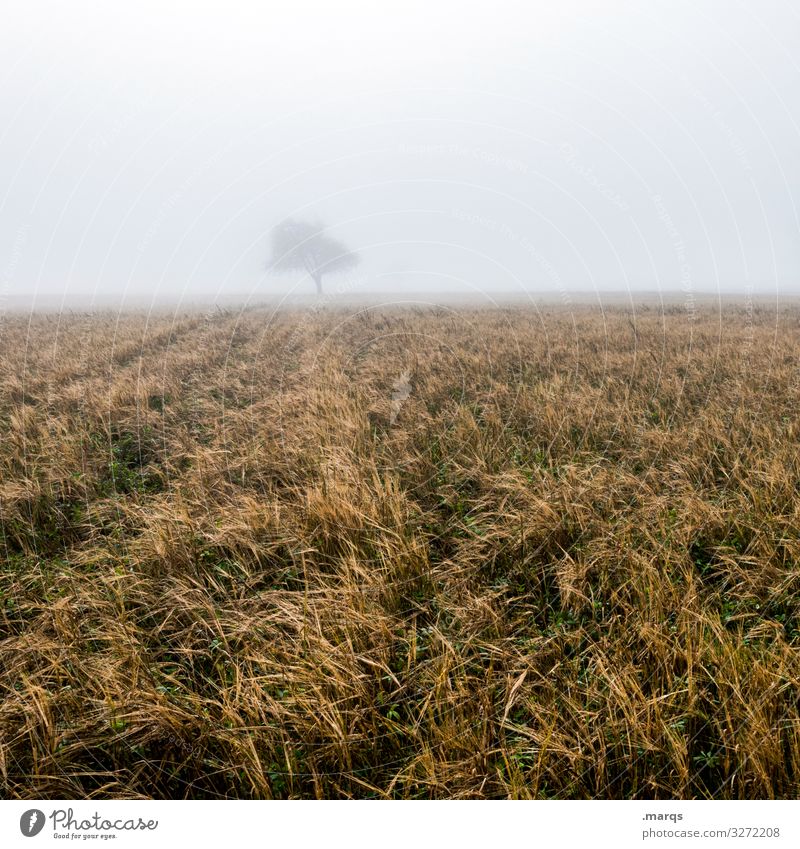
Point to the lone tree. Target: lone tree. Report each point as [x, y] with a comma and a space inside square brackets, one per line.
[303, 245]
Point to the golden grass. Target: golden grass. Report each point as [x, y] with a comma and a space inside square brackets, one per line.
[238, 562]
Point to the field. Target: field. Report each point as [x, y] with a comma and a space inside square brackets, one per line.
[393, 552]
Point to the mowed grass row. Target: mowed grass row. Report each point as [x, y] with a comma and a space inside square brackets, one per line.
[529, 553]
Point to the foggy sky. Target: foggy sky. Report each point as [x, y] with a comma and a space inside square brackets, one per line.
[484, 149]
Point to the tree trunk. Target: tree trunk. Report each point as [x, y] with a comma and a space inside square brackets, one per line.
[318, 280]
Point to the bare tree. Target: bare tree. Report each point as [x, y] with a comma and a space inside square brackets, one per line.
[303, 245]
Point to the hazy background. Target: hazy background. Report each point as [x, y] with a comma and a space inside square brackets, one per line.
[493, 149]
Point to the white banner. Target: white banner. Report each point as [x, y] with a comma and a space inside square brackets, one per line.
[591, 824]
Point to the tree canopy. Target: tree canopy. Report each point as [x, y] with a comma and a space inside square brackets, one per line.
[304, 245]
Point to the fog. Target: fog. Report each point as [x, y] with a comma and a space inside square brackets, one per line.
[482, 150]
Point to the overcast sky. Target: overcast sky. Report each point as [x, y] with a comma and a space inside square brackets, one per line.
[146, 149]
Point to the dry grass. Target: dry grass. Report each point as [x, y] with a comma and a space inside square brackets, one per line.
[564, 566]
